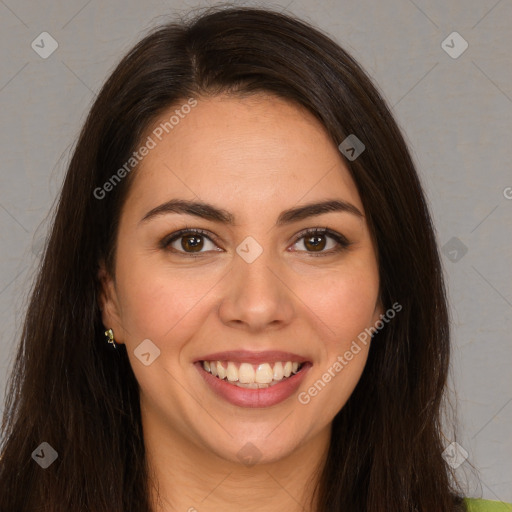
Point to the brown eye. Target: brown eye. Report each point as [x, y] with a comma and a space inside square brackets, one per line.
[188, 241]
[316, 242]
[193, 243]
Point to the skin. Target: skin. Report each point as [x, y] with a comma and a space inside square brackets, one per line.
[255, 157]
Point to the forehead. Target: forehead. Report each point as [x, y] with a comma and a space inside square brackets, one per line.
[248, 151]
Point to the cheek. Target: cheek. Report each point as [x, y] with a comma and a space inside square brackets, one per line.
[329, 389]
[156, 300]
[348, 309]
[343, 303]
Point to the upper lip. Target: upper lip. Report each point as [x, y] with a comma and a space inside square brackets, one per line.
[247, 356]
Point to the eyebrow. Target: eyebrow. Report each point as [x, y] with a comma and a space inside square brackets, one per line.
[210, 212]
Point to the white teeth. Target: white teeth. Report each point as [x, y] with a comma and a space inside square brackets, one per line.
[248, 376]
[278, 371]
[221, 371]
[246, 373]
[232, 372]
[264, 374]
[250, 385]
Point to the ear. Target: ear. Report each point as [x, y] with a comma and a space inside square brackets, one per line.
[109, 304]
[379, 310]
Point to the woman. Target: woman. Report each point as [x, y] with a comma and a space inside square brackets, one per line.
[241, 304]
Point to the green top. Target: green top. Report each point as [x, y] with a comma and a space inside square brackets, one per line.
[478, 505]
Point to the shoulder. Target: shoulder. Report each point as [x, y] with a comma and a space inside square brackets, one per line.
[477, 505]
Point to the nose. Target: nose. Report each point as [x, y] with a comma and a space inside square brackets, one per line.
[256, 295]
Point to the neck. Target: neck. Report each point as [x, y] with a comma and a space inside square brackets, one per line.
[185, 476]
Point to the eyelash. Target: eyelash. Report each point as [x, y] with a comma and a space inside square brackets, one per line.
[343, 243]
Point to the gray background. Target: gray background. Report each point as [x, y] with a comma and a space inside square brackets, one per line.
[456, 114]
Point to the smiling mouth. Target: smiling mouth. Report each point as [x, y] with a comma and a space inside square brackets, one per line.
[252, 376]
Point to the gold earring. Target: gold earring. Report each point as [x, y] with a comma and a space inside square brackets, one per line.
[110, 335]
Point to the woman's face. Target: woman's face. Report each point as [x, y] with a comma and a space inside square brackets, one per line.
[255, 285]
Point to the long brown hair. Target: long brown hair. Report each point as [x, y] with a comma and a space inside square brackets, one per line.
[67, 388]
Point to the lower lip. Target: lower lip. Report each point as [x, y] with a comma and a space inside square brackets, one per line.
[265, 397]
